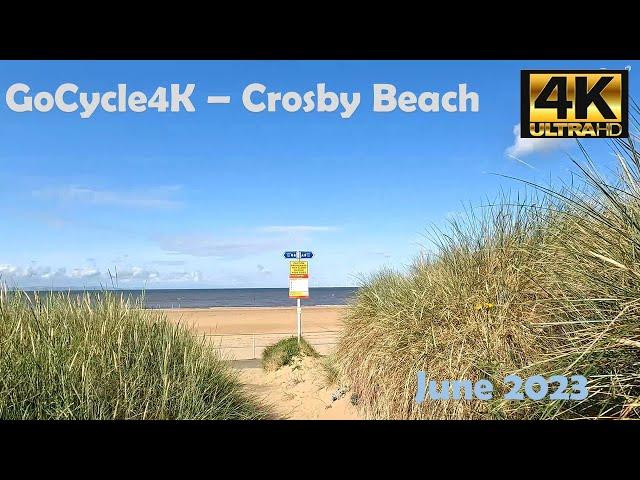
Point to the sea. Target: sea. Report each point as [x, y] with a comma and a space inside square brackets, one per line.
[231, 297]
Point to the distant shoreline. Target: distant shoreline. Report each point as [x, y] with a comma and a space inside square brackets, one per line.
[205, 309]
[206, 298]
[99, 289]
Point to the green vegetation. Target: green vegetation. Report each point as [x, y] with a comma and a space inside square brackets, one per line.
[100, 357]
[545, 285]
[330, 369]
[282, 353]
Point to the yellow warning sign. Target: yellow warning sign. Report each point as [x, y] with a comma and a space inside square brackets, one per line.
[299, 269]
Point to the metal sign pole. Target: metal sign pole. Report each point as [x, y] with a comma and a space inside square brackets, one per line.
[298, 281]
[299, 312]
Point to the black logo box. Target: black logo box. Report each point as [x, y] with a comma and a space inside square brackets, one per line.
[524, 98]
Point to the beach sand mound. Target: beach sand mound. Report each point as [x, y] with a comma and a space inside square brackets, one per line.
[298, 391]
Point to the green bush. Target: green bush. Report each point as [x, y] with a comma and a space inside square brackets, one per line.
[281, 354]
[100, 357]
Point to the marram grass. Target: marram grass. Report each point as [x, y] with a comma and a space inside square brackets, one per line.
[101, 357]
[458, 314]
[545, 285]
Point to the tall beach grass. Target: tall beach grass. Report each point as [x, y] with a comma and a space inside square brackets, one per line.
[540, 285]
[101, 357]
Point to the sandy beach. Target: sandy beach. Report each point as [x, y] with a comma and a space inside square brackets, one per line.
[258, 320]
[244, 332]
[241, 334]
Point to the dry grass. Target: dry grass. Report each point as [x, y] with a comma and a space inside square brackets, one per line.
[457, 314]
[540, 286]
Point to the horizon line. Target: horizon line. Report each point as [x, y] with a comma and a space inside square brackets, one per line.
[83, 289]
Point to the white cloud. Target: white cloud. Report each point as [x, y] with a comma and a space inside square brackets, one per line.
[152, 198]
[195, 277]
[31, 272]
[526, 146]
[136, 273]
[8, 269]
[45, 276]
[84, 272]
[297, 228]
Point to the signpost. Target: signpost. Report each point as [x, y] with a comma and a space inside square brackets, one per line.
[298, 281]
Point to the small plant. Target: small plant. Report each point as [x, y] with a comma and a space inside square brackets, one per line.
[331, 372]
[283, 352]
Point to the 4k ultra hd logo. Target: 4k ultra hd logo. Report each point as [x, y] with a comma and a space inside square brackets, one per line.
[574, 103]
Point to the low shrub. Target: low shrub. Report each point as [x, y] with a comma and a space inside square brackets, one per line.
[283, 352]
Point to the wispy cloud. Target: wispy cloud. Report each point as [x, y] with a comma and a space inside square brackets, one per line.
[262, 270]
[254, 241]
[179, 277]
[297, 228]
[136, 273]
[381, 253]
[170, 263]
[151, 198]
[211, 246]
[526, 146]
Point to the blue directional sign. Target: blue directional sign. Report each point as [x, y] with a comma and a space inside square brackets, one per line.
[290, 254]
[306, 254]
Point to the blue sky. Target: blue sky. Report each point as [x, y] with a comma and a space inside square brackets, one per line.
[212, 198]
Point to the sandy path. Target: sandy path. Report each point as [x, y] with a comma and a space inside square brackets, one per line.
[300, 393]
[296, 394]
[241, 320]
